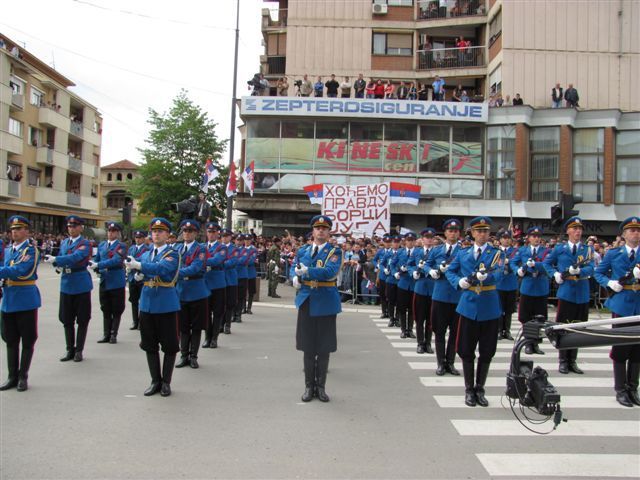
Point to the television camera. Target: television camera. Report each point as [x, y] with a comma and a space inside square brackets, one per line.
[187, 207]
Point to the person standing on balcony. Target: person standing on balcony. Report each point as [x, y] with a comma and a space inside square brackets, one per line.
[438, 89]
[318, 87]
[332, 87]
[345, 88]
[305, 87]
[283, 89]
[571, 97]
[359, 86]
[402, 91]
[556, 96]
[371, 88]
[378, 91]
[388, 89]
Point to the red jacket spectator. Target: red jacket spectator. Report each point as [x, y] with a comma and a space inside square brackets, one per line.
[379, 90]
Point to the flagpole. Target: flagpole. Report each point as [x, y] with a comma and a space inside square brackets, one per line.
[232, 134]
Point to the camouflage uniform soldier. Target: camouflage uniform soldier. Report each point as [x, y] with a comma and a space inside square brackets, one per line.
[273, 267]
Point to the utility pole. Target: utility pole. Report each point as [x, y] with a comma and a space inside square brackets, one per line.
[232, 134]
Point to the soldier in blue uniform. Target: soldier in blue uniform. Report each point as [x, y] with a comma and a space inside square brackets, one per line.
[445, 297]
[423, 289]
[108, 263]
[620, 271]
[159, 305]
[252, 274]
[405, 286]
[390, 260]
[571, 264]
[75, 287]
[216, 283]
[534, 286]
[135, 287]
[507, 287]
[241, 269]
[318, 303]
[231, 279]
[20, 302]
[476, 271]
[193, 292]
[378, 260]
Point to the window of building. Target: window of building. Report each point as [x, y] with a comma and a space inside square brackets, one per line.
[435, 149]
[35, 136]
[263, 143]
[366, 148]
[296, 151]
[129, 176]
[395, 3]
[501, 148]
[33, 177]
[588, 163]
[17, 85]
[14, 172]
[15, 127]
[119, 177]
[331, 147]
[37, 97]
[467, 150]
[544, 145]
[116, 199]
[628, 167]
[495, 28]
[400, 148]
[392, 44]
[495, 80]
[109, 177]
[277, 44]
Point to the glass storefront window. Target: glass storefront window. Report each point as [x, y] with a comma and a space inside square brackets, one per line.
[366, 149]
[588, 164]
[434, 149]
[297, 150]
[333, 179]
[266, 181]
[263, 143]
[294, 181]
[400, 148]
[434, 187]
[544, 144]
[466, 188]
[500, 154]
[331, 146]
[466, 150]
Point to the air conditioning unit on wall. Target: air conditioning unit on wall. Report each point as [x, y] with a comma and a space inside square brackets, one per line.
[379, 8]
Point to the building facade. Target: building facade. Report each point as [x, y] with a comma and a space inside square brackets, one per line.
[115, 193]
[49, 144]
[515, 46]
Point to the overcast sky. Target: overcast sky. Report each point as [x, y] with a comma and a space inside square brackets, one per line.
[128, 56]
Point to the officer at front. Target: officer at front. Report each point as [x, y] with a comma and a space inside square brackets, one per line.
[20, 303]
[318, 303]
[571, 264]
[135, 288]
[159, 305]
[75, 287]
[476, 271]
[193, 293]
[620, 271]
[108, 263]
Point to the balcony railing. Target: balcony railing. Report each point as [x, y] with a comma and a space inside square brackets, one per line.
[13, 189]
[73, 199]
[277, 18]
[76, 128]
[17, 100]
[75, 164]
[447, 58]
[276, 65]
[431, 9]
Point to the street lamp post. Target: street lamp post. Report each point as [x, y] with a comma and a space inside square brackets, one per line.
[508, 172]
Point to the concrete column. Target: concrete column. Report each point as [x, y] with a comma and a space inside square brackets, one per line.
[565, 167]
[521, 163]
[609, 179]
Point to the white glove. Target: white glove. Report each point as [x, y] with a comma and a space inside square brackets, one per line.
[574, 271]
[636, 272]
[397, 275]
[558, 278]
[58, 270]
[387, 271]
[49, 259]
[376, 270]
[272, 262]
[444, 268]
[531, 263]
[463, 283]
[421, 264]
[481, 276]
[276, 270]
[506, 261]
[302, 269]
[416, 275]
[93, 265]
[133, 264]
[403, 268]
[520, 272]
[138, 277]
[296, 283]
[435, 274]
[614, 285]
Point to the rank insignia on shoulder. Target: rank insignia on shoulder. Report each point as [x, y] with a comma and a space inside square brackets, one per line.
[201, 256]
[82, 247]
[334, 258]
[169, 258]
[26, 257]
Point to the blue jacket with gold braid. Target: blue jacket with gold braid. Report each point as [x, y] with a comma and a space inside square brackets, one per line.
[159, 293]
[615, 265]
[319, 283]
[73, 259]
[20, 274]
[110, 262]
[575, 288]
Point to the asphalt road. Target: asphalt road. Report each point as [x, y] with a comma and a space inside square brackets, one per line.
[240, 414]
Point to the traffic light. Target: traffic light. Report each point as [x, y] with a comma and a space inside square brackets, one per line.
[556, 215]
[568, 202]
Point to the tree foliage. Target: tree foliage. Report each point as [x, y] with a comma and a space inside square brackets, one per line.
[179, 144]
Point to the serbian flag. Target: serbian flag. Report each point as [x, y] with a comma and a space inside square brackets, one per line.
[314, 192]
[404, 193]
[209, 175]
[247, 176]
[232, 183]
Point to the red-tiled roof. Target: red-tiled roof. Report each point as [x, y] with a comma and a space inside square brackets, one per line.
[121, 165]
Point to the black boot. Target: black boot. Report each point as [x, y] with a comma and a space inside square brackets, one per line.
[441, 370]
[309, 377]
[563, 368]
[481, 378]
[115, 326]
[184, 350]
[167, 372]
[195, 344]
[227, 322]
[427, 343]
[135, 316]
[153, 360]
[249, 305]
[25, 364]
[620, 384]
[633, 374]
[69, 338]
[469, 392]
[106, 328]
[81, 336]
[322, 367]
[12, 364]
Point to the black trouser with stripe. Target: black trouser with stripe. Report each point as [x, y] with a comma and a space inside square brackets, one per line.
[135, 289]
[443, 317]
[191, 320]
[569, 312]
[531, 306]
[405, 309]
[75, 308]
[231, 300]
[392, 300]
[422, 316]
[215, 313]
[17, 327]
[112, 306]
[243, 285]
[508, 302]
[382, 292]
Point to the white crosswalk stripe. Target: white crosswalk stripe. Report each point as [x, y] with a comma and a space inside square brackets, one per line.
[587, 367]
[569, 402]
[578, 381]
[507, 354]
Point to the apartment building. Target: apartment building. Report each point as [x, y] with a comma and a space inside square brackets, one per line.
[50, 142]
[509, 162]
[516, 46]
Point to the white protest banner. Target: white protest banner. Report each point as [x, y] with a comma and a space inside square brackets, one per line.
[364, 208]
